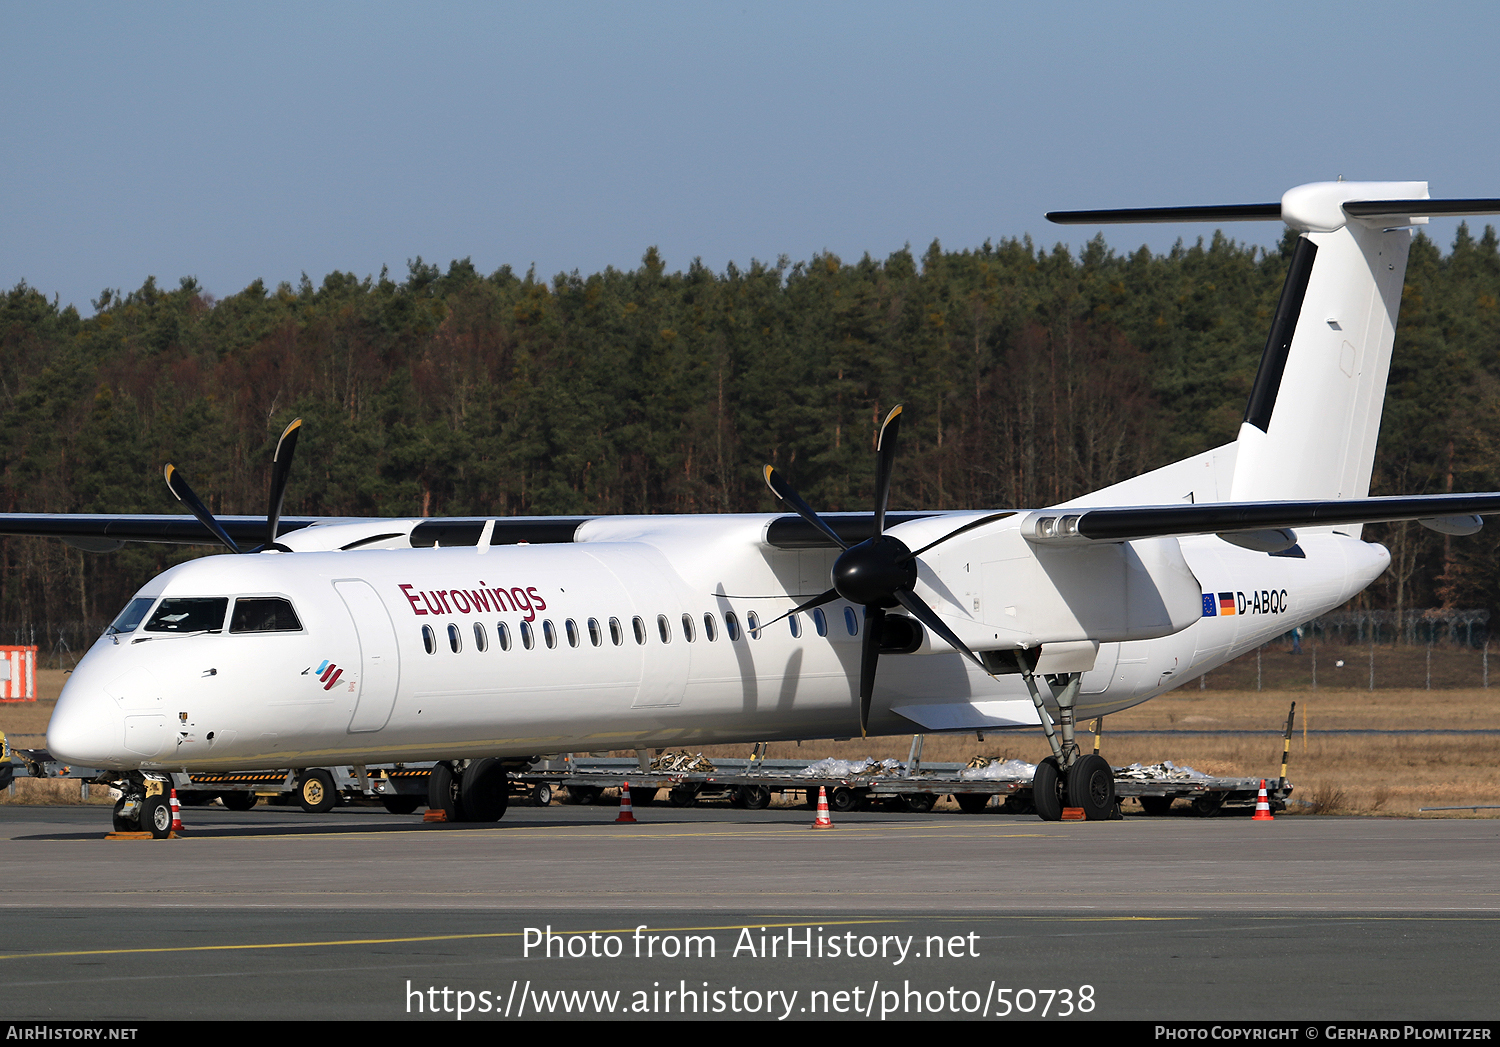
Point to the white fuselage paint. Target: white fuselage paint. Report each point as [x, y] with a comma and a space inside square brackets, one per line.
[223, 701]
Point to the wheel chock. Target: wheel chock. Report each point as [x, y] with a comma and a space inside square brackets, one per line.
[434, 814]
[1074, 814]
[128, 836]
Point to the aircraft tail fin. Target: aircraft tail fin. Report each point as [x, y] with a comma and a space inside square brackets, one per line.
[1313, 417]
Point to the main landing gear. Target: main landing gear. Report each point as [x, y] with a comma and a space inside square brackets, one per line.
[1068, 778]
[469, 790]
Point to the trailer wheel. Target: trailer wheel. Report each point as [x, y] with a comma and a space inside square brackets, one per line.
[682, 797]
[752, 797]
[918, 803]
[156, 816]
[1207, 805]
[541, 796]
[843, 799]
[1047, 790]
[972, 803]
[484, 792]
[1156, 804]
[1091, 785]
[316, 792]
[238, 801]
[400, 804]
[121, 822]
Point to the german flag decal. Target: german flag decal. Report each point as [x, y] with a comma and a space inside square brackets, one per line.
[1226, 603]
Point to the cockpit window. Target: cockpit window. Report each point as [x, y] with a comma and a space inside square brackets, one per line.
[131, 617]
[190, 615]
[264, 614]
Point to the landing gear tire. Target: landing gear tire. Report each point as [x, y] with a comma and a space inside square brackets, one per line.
[121, 822]
[843, 800]
[1091, 785]
[752, 797]
[156, 816]
[400, 804]
[238, 801]
[1156, 805]
[972, 803]
[1047, 790]
[316, 792]
[541, 796]
[918, 803]
[484, 792]
[442, 792]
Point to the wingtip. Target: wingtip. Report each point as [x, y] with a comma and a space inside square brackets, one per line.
[768, 473]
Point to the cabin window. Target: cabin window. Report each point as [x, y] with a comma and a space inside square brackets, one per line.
[596, 634]
[264, 614]
[687, 628]
[664, 628]
[549, 633]
[528, 638]
[820, 621]
[732, 625]
[616, 632]
[192, 615]
[796, 621]
[851, 622]
[503, 632]
[571, 627]
[481, 638]
[455, 639]
[429, 639]
[639, 625]
[752, 622]
[132, 616]
[710, 628]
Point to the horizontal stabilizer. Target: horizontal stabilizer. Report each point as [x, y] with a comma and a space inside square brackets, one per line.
[1273, 212]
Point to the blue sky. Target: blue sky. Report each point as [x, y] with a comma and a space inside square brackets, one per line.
[235, 142]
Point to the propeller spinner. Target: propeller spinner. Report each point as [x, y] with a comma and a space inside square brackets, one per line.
[281, 470]
[879, 573]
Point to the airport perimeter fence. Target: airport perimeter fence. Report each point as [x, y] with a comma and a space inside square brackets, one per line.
[1425, 648]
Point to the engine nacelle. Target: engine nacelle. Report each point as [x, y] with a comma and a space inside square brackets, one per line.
[1000, 592]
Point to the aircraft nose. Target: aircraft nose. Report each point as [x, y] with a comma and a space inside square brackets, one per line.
[87, 727]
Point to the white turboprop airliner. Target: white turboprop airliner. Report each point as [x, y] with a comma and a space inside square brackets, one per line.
[482, 643]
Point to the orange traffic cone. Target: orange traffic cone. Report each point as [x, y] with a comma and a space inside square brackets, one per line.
[176, 813]
[627, 813]
[1262, 806]
[822, 821]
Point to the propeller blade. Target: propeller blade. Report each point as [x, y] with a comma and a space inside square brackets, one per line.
[954, 534]
[184, 494]
[885, 449]
[928, 617]
[817, 601]
[281, 471]
[869, 655]
[783, 490]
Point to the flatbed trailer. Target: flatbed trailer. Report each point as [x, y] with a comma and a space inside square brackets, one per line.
[753, 783]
